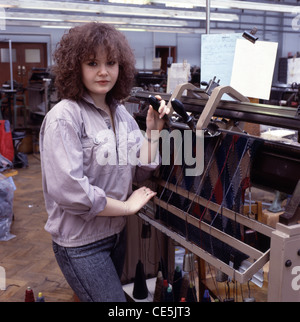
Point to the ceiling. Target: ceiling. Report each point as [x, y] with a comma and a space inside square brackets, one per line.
[180, 16]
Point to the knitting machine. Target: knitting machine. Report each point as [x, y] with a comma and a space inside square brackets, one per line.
[204, 212]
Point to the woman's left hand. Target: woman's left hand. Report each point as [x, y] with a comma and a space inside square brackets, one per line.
[155, 119]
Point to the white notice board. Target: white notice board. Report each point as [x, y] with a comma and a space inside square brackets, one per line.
[217, 54]
[253, 68]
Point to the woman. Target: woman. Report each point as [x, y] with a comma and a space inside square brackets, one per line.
[91, 151]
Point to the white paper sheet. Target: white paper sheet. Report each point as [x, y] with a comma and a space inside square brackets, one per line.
[293, 71]
[253, 68]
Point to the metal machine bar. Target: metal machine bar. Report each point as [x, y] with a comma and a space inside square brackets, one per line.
[253, 224]
[213, 102]
[11, 65]
[278, 116]
[207, 16]
[228, 270]
[229, 240]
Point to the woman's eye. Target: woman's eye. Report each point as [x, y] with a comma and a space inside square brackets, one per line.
[92, 63]
[111, 63]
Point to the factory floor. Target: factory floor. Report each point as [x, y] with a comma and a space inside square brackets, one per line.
[28, 258]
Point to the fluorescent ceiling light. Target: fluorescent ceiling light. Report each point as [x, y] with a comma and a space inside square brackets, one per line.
[6, 5]
[154, 24]
[98, 7]
[223, 17]
[134, 12]
[77, 19]
[34, 19]
[202, 16]
[136, 2]
[110, 22]
[131, 29]
[90, 18]
[93, 7]
[230, 4]
[162, 29]
[56, 26]
[179, 4]
[261, 6]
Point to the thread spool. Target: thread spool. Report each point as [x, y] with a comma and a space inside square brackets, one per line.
[191, 294]
[184, 286]
[189, 262]
[163, 269]
[29, 296]
[164, 289]
[168, 295]
[177, 282]
[40, 297]
[158, 287]
[221, 277]
[140, 289]
[206, 297]
[249, 300]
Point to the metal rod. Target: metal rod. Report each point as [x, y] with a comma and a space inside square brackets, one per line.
[217, 263]
[253, 224]
[229, 240]
[272, 115]
[11, 66]
[208, 16]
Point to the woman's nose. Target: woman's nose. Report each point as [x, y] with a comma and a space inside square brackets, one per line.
[102, 70]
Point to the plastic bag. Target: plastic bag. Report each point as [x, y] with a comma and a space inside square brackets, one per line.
[6, 208]
[5, 163]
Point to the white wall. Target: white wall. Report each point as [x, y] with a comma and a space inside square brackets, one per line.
[189, 48]
[143, 44]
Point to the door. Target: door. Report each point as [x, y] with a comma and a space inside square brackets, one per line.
[25, 56]
[167, 54]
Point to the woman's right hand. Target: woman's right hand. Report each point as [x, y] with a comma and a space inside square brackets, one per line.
[138, 199]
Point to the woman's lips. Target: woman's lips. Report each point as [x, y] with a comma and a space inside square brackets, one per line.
[103, 82]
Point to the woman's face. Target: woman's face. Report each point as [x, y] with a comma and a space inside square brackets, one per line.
[99, 75]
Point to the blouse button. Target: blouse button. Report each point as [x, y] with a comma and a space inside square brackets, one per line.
[96, 141]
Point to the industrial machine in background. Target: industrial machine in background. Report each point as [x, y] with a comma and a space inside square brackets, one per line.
[206, 213]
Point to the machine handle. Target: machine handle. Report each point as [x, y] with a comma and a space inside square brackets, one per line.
[155, 103]
[180, 110]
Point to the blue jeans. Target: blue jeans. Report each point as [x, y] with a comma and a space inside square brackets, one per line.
[93, 271]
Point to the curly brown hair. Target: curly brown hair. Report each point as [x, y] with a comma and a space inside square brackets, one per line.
[78, 45]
